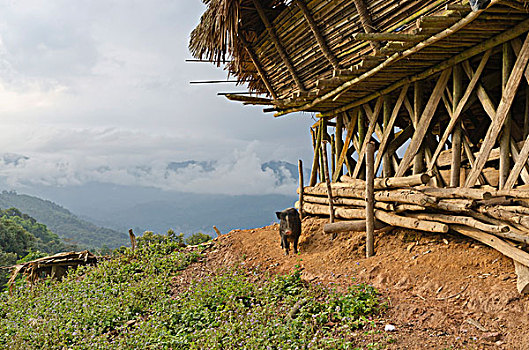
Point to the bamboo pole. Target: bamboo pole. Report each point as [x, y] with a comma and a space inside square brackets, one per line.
[338, 145]
[350, 202]
[505, 138]
[301, 186]
[386, 116]
[370, 200]
[455, 173]
[461, 220]
[364, 137]
[418, 161]
[345, 148]
[367, 23]
[328, 181]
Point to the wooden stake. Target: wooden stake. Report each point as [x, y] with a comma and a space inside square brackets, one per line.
[370, 200]
[501, 114]
[328, 181]
[301, 186]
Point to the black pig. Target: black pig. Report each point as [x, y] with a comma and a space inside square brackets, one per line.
[289, 228]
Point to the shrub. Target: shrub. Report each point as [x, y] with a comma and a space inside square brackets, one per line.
[197, 238]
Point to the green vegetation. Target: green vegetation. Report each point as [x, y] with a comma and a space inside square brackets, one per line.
[21, 236]
[127, 302]
[197, 238]
[62, 222]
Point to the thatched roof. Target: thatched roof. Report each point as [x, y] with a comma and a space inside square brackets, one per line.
[226, 24]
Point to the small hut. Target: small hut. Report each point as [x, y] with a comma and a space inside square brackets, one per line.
[54, 266]
[440, 87]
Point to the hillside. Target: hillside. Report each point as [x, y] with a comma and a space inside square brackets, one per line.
[62, 222]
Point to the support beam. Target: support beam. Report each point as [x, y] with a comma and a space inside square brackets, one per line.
[424, 123]
[279, 47]
[501, 113]
[370, 200]
[518, 166]
[338, 145]
[418, 161]
[348, 138]
[457, 91]
[505, 138]
[316, 159]
[317, 34]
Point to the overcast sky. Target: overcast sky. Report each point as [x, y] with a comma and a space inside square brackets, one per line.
[92, 84]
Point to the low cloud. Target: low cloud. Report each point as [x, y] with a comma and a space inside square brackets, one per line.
[132, 158]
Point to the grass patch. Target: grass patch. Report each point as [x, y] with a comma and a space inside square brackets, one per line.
[126, 303]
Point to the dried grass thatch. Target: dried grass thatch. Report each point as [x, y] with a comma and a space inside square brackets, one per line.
[216, 38]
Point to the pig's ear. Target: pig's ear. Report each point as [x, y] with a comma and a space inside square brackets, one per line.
[278, 214]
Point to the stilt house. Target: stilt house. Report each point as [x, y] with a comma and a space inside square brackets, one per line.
[440, 88]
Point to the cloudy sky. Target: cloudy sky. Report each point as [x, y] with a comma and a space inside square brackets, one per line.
[87, 85]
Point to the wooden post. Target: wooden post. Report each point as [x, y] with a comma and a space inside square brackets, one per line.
[328, 181]
[418, 161]
[339, 144]
[370, 200]
[301, 185]
[505, 139]
[333, 157]
[361, 136]
[386, 160]
[457, 91]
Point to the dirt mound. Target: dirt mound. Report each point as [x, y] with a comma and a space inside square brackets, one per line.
[442, 291]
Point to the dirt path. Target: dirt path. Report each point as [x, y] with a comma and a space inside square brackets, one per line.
[442, 292]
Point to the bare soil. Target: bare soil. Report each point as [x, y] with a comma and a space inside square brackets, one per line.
[442, 292]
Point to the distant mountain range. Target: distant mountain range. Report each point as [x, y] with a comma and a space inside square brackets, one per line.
[97, 204]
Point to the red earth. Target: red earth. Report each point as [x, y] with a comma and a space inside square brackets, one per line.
[442, 291]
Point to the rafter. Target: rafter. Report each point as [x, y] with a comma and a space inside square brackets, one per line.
[258, 66]
[317, 34]
[280, 49]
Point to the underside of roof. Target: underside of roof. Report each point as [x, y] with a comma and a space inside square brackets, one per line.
[330, 56]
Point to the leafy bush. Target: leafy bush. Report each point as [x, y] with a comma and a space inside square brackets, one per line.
[126, 302]
[197, 238]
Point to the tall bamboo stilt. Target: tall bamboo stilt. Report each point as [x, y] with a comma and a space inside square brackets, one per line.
[505, 138]
[418, 161]
[361, 135]
[386, 160]
[370, 200]
[339, 143]
[455, 173]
